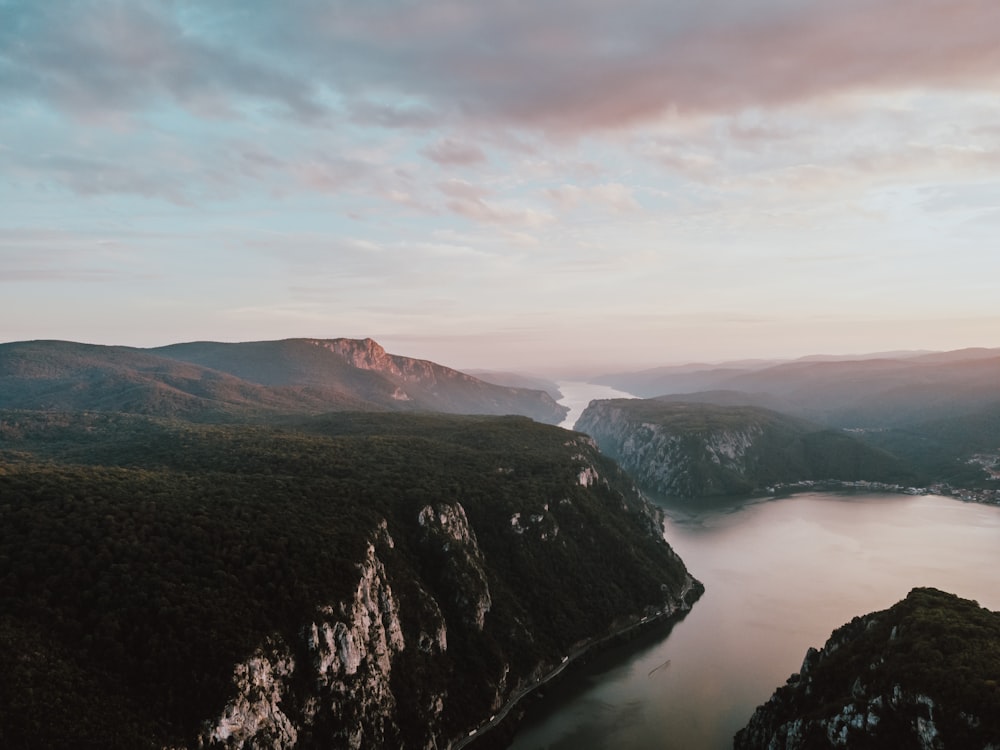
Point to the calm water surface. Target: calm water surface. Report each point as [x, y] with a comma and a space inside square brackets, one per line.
[780, 575]
[577, 395]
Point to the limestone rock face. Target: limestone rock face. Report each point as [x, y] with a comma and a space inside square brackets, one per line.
[359, 581]
[916, 675]
[669, 460]
[378, 669]
[463, 571]
[352, 646]
[442, 388]
[254, 719]
[691, 450]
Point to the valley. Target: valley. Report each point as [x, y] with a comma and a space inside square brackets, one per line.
[264, 545]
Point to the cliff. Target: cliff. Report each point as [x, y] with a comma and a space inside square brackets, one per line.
[354, 581]
[210, 381]
[921, 674]
[691, 450]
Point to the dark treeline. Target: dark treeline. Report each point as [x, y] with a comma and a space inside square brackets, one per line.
[141, 558]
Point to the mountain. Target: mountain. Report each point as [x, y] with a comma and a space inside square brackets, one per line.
[518, 380]
[347, 580]
[694, 450]
[866, 392]
[955, 450]
[210, 381]
[921, 674]
[691, 378]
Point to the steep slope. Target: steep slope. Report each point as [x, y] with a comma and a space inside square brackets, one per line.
[921, 674]
[518, 380]
[211, 381]
[63, 375]
[695, 450]
[361, 580]
[363, 368]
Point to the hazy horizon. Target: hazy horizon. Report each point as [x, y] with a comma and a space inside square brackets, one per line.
[582, 372]
[569, 187]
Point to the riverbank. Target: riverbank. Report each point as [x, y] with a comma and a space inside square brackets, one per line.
[484, 737]
[780, 575]
[972, 495]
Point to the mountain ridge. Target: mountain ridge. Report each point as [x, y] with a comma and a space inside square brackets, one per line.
[235, 381]
[871, 391]
[692, 450]
[359, 580]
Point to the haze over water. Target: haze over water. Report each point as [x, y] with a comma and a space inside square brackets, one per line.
[577, 395]
[780, 576]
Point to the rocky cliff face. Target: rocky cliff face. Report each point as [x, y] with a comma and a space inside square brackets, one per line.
[364, 580]
[339, 685]
[440, 637]
[209, 381]
[673, 460]
[343, 686]
[918, 675]
[692, 449]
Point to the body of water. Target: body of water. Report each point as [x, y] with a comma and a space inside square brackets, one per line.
[577, 395]
[780, 576]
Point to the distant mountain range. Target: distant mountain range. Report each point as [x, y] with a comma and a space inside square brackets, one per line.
[210, 381]
[897, 417]
[866, 391]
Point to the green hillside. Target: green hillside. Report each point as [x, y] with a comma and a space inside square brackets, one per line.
[141, 559]
[922, 673]
[689, 450]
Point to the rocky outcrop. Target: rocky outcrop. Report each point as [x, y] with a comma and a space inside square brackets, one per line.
[210, 381]
[672, 459]
[919, 675]
[371, 581]
[690, 450]
[351, 648]
[254, 718]
[430, 385]
[451, 541]
[388, 666]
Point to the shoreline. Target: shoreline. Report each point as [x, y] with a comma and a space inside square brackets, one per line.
[663, 617]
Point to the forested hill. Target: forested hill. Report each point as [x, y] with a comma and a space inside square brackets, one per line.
[210, 381]
[691, 450]
[921, 674]
[372, 580]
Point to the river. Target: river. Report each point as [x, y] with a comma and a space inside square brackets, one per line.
[780, 576]
[577, 395]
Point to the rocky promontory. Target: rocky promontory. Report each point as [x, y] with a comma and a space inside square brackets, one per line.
[691, 450]
[350, 581]
[921, 674]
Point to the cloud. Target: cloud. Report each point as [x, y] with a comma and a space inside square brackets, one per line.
[561, 67]
[463, 190]
[612, 196]
[505, 214]
[449, 152]
[47, 256]
[92, 56]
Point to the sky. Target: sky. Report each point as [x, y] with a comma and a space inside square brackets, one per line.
[552, 185]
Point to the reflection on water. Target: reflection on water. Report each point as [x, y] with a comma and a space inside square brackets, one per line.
[780, 576]
[577, 396]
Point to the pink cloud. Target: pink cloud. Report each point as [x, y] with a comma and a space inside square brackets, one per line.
[449, 152]
[612, 196]
[573, 69]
